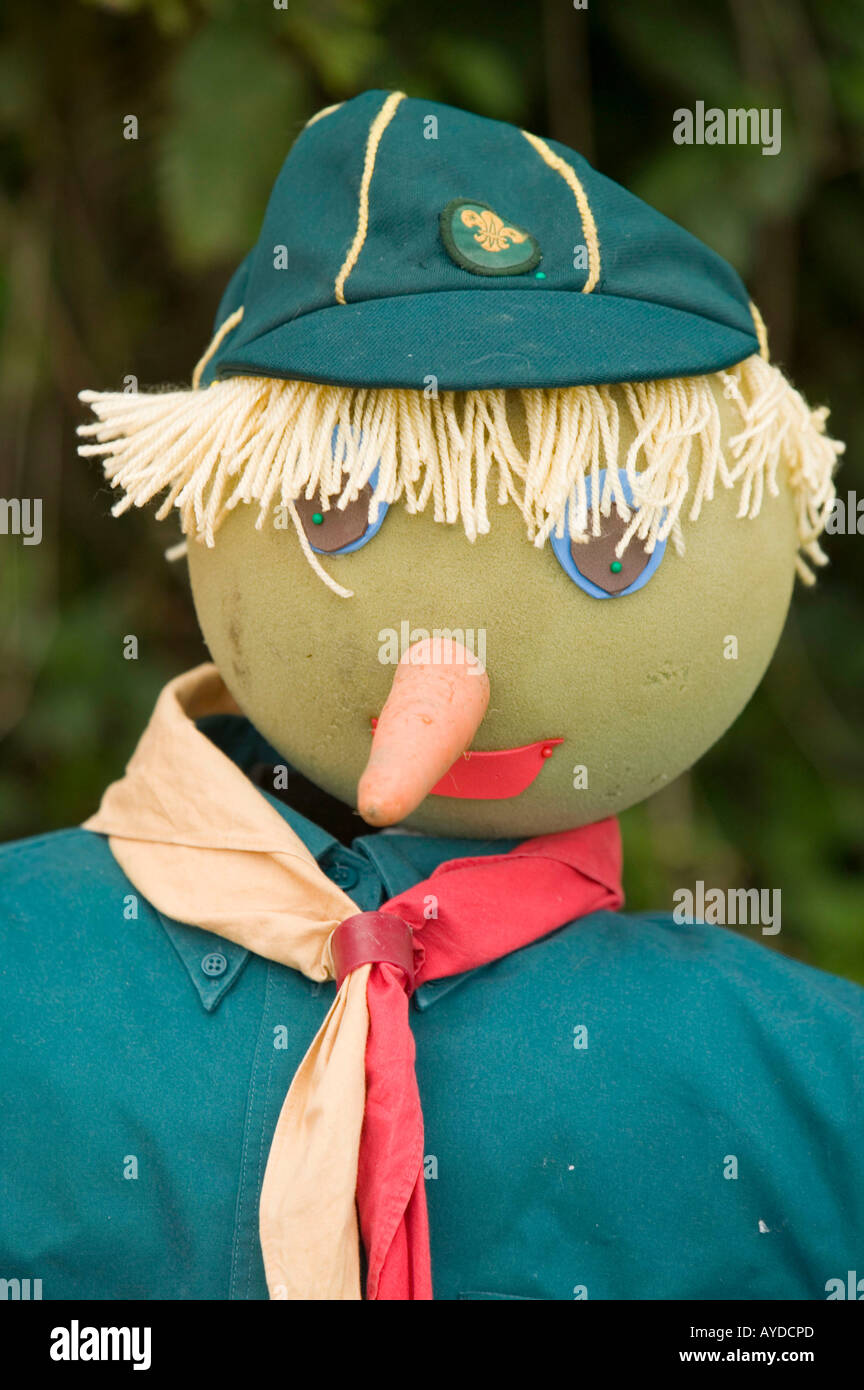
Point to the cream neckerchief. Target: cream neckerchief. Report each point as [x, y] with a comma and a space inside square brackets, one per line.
[193, 835]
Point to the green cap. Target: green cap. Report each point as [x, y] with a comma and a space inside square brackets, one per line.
[407, 240]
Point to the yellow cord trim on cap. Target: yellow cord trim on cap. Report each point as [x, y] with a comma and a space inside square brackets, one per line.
[221, 332]
[761, 331]
[268, 441]
[376, 130]
[589, 227]
[325, 111]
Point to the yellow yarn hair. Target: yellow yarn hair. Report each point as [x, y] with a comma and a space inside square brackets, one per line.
[269, 441]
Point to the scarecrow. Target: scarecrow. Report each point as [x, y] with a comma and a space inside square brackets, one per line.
[493, 503]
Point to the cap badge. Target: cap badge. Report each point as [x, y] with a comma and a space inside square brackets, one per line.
[477, 239]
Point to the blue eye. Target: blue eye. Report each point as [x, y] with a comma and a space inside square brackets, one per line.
[333, 532]
[593, 564]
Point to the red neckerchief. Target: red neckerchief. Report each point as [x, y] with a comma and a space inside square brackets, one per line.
[486, 907]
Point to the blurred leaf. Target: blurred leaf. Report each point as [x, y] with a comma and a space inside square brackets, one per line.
[171, 16]
[21, 85]
[339, 39]
[482, 76]
[689, 47]
[226, 139]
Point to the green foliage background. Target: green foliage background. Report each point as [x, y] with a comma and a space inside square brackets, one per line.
[115, 253]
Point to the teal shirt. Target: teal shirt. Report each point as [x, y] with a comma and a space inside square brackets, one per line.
[626, 1109]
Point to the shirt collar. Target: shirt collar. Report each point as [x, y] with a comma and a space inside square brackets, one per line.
[375, 867]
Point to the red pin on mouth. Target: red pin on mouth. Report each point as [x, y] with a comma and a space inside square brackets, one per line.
[439, 696]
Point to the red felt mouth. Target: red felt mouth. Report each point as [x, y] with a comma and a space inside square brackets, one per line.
[496, 775]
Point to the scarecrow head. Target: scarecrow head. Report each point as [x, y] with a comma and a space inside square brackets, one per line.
[487, 479]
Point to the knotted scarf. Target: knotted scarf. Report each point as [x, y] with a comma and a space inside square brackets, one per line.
[199, 842]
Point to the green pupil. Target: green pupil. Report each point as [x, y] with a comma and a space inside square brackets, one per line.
[317, 519]
[616, 567]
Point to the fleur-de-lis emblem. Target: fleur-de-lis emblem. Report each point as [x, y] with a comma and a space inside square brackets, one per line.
[478, 239]
[492, 234]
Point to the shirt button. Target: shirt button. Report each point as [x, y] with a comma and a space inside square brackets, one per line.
[344, 875]
[214, 963]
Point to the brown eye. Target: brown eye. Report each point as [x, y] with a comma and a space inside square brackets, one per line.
[596, 561]
[331, 529]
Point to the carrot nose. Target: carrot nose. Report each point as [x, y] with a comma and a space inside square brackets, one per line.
[438, 698]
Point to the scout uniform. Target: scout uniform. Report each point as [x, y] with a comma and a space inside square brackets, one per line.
[584, 1098]
[206, 996]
